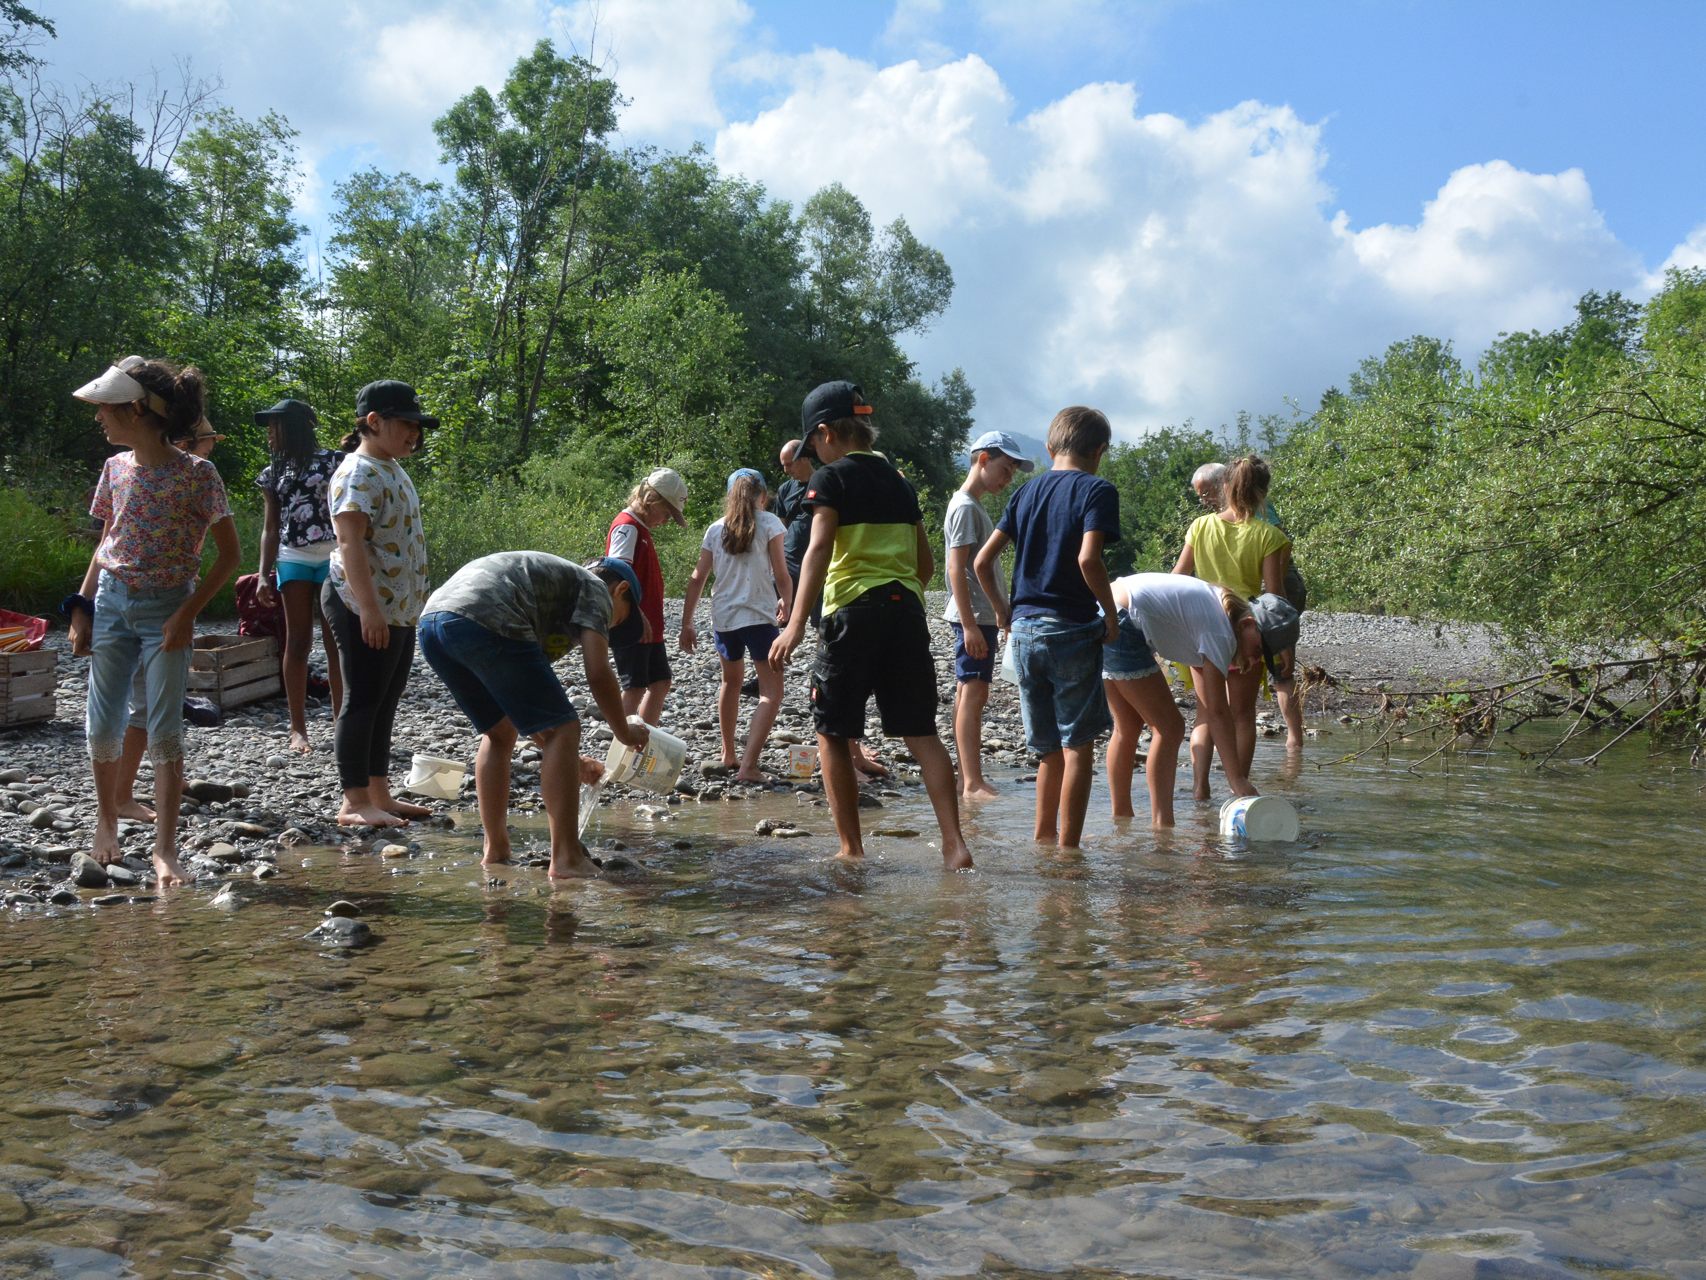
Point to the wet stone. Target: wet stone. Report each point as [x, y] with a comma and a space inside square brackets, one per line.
[340, 931]
[86, 873]
[192, 1055]
[110, 900]
[343, 907]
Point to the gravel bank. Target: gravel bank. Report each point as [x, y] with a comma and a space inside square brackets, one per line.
[249, 799]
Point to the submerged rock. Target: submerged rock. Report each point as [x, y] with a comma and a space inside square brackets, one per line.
[341, 931]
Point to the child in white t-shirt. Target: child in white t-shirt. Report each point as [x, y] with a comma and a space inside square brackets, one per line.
[754, 596]
[1206, 628]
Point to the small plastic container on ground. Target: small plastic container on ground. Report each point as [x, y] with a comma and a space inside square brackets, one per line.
[1258, 818]
[656, 767]
[435, 777]
[802, 760]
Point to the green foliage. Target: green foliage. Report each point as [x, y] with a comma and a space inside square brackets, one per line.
[1558, 495]
[45, 558]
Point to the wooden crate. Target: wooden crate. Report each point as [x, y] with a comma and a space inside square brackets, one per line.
[232, 670]
[27, 682]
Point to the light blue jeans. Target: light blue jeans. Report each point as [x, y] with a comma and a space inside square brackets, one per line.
[1061, 699]
[128, 632]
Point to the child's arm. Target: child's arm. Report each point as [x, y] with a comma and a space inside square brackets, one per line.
[1187, 562]
[82, 625]
[1096, 578]
[264, 591]
[1273, 572]
[783, 581]
[352, 529]
[690, 603]
[984, 564]
[959, 560]
[814, 569]
[1216, 712]
[179, 630]
[606, 690]
[925, 556]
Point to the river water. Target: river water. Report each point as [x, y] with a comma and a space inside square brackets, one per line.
[1454, 1031]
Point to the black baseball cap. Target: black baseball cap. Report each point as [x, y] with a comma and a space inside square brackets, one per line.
[831, 402]
[288, 411]
[392, 399]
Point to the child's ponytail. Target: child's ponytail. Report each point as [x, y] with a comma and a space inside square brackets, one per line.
[740, 511]
[183, 393]
[1246, 486]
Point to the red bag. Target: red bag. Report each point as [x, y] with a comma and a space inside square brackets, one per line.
[254, 618]
[20, 633]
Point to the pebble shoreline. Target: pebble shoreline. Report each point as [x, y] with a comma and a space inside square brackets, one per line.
[248, 799]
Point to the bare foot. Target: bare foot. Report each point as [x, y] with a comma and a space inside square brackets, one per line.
[960, 860]
[168, 870]
[982, 791]
[494, 858]
[136, 811]
[578, 867]
[757, 777]
[869, 767]
[850, 855]
[405, 809]
[106, 850]
[299, 743]
[369, 816]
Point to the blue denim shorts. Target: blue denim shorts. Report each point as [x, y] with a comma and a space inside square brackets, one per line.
[125, 639]
[733, 646]
[493, 677]
[967, 667]
[1060, 682]
[1129, 657]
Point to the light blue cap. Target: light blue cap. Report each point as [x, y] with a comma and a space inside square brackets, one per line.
[748, 473]
[1001, 442]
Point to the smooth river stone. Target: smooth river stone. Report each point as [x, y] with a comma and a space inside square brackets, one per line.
[12, 1209]
[192, 1055]
[406, 1069]
[407, 1007]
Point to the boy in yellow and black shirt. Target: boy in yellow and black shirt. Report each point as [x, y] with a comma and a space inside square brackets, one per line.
[869, 559]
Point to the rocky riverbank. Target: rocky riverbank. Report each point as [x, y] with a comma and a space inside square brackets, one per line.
[249, 800]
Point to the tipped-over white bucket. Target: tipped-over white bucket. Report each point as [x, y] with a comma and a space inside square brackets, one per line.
[1258, 818]
[802, 760]
[655, 767]
[435, 777]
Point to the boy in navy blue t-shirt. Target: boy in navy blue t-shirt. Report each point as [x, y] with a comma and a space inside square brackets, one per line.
[1058, 525]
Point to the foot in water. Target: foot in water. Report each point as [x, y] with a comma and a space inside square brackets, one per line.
[368, 816]
[168, 870]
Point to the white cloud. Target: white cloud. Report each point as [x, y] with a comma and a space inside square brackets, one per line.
[1158, 267]
[418, 66]
[664, 55]
[908, 140]
[1690, 253]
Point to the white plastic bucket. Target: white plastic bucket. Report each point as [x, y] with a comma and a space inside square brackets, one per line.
[802, 760]
[656, 767]
[435, 777]
[1258, 818]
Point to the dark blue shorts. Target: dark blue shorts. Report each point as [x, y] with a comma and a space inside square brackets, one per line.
[493, 677]
[732, 646]
[639, 666]
[967, 667]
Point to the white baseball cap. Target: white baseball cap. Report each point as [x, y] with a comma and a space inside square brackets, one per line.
[672, 490]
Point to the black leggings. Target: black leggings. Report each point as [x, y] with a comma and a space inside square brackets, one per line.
[373, 686]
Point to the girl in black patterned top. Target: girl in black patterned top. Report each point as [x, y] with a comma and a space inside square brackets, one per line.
[296, 543]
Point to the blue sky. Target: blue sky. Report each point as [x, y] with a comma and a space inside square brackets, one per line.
[1174, 210]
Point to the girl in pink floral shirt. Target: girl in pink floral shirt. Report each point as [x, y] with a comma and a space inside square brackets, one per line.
[156, 505]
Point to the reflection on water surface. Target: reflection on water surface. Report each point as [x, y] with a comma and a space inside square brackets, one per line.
[1456, 1031]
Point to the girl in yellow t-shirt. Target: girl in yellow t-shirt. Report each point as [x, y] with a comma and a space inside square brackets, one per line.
[1235, 548]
